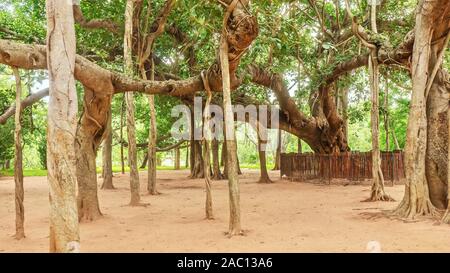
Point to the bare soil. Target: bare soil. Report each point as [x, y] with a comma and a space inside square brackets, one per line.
[281, 217]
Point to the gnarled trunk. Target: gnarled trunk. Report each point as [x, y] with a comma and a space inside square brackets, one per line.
[437, 140]
[431, 24]
[90, 133]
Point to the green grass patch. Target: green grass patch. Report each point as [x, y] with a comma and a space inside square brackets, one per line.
[38, 172]
[29, 172]
[255, 166]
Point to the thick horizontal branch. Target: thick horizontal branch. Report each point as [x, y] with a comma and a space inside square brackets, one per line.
[91, 75]
[396, 56]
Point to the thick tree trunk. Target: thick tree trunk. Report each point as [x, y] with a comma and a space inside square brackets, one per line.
[18, 166]
[436, 159]
[430, 25]
[446, 217]
[129, 98]
[62, 124]
[278, 151]
[107, 157]
[217, 174]
[88, 206]
[93, 125]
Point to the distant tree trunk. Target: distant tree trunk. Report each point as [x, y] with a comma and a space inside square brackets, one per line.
[107, 157]
[262, 142]
[144, 162]
[131, 127]
[238, 166]
[177, 158]
[192, 145]
[230, 139]
[397, 146]
[216, 164]
[122, 118]
[151, 185]
[18, 167]
[198, 169]
[223, 156]
[224, 159]
[377, 192]
[8, 164]
[187, 158]
[62, 126]
[299, 146]
[278, 152]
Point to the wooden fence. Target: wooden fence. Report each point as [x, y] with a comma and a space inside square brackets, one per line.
[354, 166]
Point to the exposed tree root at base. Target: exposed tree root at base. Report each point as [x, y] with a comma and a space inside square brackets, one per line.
[379, 196]
[19, 236]
[230, 234]
[446, 217]
[410, 212]
[139, 205]
[265, 180]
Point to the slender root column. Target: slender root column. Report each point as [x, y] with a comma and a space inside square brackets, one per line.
[206, 149]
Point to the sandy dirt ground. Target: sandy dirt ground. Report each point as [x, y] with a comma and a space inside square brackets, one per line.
[280, 217]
